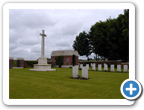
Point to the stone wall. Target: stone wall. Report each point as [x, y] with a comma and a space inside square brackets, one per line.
[20, 62]
[26, 64]
[77, 61]
[67, 61]
[11, 62]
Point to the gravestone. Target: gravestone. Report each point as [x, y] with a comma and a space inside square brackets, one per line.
[119, 68]
[87, 65]
[99, 67]
[105, 67]
[93, 66]
[81, 65]
[75, 71]
[84, 72]
[125, 68]
[112, 68]
[78, 64]
[104, 64]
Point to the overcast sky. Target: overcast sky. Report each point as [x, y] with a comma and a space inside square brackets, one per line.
[61, 27]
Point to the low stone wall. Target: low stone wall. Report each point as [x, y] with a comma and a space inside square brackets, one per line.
[28, 66]
[11, 62]
[20, 62]
[24, 63]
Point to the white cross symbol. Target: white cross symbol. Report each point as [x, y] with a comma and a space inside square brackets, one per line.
[131, 89]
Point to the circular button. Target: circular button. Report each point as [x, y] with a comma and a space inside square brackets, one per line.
[130, 89]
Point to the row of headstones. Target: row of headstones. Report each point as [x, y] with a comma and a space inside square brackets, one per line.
[125, 67]
[84, 72]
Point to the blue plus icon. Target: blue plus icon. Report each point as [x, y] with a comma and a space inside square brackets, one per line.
[130, 89]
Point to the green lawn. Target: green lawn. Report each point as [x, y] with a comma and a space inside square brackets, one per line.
[25, 84]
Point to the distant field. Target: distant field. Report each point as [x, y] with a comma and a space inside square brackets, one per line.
[25, 84]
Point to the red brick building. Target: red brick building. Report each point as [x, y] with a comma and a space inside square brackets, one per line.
[70, 57]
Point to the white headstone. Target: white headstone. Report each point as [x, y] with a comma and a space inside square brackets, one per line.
[104, 64]
[93, 66]
[99, 67]
[119, 68]
[112, 68]
[125, 68]
[84, 72]
[75, 71]
[105, 67]
[81, 65]
[87, 65]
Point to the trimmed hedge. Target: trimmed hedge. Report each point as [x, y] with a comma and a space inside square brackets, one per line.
[59, 60]
[31, 63]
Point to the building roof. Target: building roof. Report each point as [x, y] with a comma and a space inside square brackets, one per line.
[64, 53]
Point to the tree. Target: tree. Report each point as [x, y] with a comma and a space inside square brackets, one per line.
[82, 44]
[107, 39]
[110, 38]
[97, 38]
[123, 21]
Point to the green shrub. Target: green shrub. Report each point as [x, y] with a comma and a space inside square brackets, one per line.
[15, 63]
[79, 76]
[59, 60]
[80, 69]
[31, 63]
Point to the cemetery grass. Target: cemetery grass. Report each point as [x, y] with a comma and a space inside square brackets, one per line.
[25, 84]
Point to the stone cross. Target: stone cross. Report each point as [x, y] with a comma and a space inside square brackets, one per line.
[42, 46]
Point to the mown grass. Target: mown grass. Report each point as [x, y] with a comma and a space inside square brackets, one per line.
[25, 84]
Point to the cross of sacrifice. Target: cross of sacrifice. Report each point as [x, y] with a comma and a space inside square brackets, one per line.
[42, 46]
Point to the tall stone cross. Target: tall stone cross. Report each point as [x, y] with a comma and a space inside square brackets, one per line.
[42, 45]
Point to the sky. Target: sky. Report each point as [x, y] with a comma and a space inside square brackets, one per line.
[61, 27]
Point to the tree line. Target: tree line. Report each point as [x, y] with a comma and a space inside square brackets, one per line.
[108, 39]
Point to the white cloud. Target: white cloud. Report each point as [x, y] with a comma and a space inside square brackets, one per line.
[60, 25]
[29, 19]
[71, 28]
